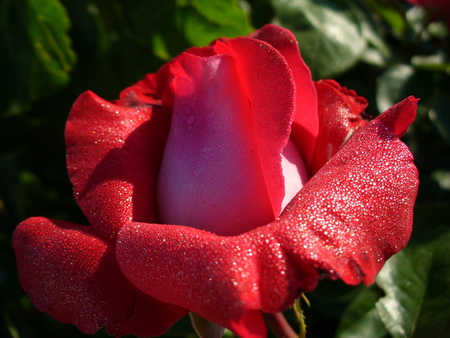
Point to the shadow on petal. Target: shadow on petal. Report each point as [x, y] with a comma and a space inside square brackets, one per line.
[113, 158]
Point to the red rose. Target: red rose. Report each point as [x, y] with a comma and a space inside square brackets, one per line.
[220, 139]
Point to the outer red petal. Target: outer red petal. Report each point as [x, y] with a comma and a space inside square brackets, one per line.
[347, 220]
[399, 117]
[113, 157]
[306, 123]
[271, 94]
[363, 212]
[341, 112]
[72, 273]
[201, 51]
[216, 277]
[140, 94]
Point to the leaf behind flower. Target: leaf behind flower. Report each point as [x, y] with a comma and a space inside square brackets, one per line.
[330, 33]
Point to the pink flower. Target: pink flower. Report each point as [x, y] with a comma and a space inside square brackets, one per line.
[216, 144]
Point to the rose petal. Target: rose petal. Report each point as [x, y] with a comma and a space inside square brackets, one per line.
[341, 112]
[347, 220]
[305, 127]
[399, 117]
[71, 273]
[113, 157]
[271, 94]
[364, 215]
[295, 172]
[202, 51]
[202, 183]
[211, 116]
[142, 93]
[204, 269]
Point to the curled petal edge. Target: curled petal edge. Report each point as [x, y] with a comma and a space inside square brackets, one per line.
[341, 112]
[102, 139]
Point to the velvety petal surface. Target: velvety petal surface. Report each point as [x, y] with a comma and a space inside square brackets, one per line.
[361, 201]
[71, 272]
[271, 94]
[345, 223]
[341, 112]
[222, 164]
[140, 94]
[398, 117]
[113, 158]
[305, 127]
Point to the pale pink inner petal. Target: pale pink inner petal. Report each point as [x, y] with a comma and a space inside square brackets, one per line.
[294, 172]
[211, 175]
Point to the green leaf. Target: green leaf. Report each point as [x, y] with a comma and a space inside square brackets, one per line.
[215, 18]
[416, 19]
[393, 16]
[438, 29]
[434, 62]
[171, 26]
[329, 33]
[361, 319]
[400, 81]
[47, 26]
[377, 51]
[38, 55]
[442, 177]
[156, 25]
[391, 85]
[417, 286]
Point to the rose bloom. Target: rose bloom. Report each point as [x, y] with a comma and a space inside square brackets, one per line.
[225, 184]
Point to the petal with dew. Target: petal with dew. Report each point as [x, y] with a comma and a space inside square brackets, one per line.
[140, 94]
[399, 117]
[214, 145]
[211, 171]
[271, 95]
[72, 273]
[341, 112]
[113, 158]
[363, 214]
[306, 123]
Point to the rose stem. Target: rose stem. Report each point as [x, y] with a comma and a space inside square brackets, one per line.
[279, 325]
